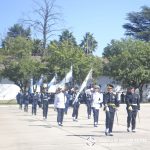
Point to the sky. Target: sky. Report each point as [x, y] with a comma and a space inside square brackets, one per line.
[102, 18]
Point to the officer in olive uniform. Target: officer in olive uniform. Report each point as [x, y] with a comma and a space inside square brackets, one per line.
[133, 105]
[110, 102]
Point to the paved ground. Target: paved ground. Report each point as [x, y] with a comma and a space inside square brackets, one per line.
[22, 131]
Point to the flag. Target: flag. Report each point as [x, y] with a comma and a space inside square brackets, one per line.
[53, 88]
[31, 85]
[40, 82]
[67, 78]
[53, 81]
[84, 84]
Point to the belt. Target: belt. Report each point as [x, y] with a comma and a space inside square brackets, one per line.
[111, 104]
[133, 104]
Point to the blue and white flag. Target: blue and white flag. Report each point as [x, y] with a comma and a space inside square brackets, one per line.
[53, 81]
[84, 84]
[40, 82]
[31, 86]
[67, 78]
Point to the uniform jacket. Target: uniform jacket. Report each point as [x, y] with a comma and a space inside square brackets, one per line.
[133, 101]
[60, 100]
[111, 100]
[97, 98]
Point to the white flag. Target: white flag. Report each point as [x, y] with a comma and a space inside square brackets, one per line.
[40, 80]
[31, 85]
[53, 88]
[84, 84]
[67, 78]
[52, 82]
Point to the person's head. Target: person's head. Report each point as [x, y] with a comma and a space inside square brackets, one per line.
[132, 90]
[96, 88]
[110, 87]
[59, 89]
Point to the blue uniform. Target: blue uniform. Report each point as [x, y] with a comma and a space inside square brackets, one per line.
[45, 99]
[34, 103]
[76, 105]
[26, 101]
[133, 105]
[19, 98]
[110, 102]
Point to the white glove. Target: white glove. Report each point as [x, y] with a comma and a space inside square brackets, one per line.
[107, 108]
[130, 108]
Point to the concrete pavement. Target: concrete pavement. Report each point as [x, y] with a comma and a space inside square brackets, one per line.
[22, 131]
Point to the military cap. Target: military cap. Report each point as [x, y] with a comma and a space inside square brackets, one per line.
[110, 86]
[96, 87]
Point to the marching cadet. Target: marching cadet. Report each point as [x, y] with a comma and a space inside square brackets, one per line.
[45, 99]
[34, 103]
[88, 99]
[19, 98]
[111, 103]
[133, 105]
[76, 105]
[67, 93]
[59, 104]
[97, 99]
[26, 101]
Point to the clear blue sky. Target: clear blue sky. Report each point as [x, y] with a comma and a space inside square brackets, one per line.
[103, 18]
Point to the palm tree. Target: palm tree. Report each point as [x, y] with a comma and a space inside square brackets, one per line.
[67, 36]
[88, 44]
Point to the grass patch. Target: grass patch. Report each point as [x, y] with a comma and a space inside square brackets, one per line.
[8, 102]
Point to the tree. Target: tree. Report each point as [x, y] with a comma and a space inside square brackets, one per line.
[67, 36]
[131, 66]
[139, 26]
[20, 72]
[46, 21]
[37, 47]
[17, 63]
[18, 47]
[113, 49]
[88, 44]
[18, 30]
[62, 56]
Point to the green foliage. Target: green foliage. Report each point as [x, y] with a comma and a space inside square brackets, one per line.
[67, 36]
[21, 71]
[139, 26]
[18, 47]
[18, 64]
[88, 44]
[132, 64]
[113, 49]
[18, 30]
[37, 47]
[63, 55]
